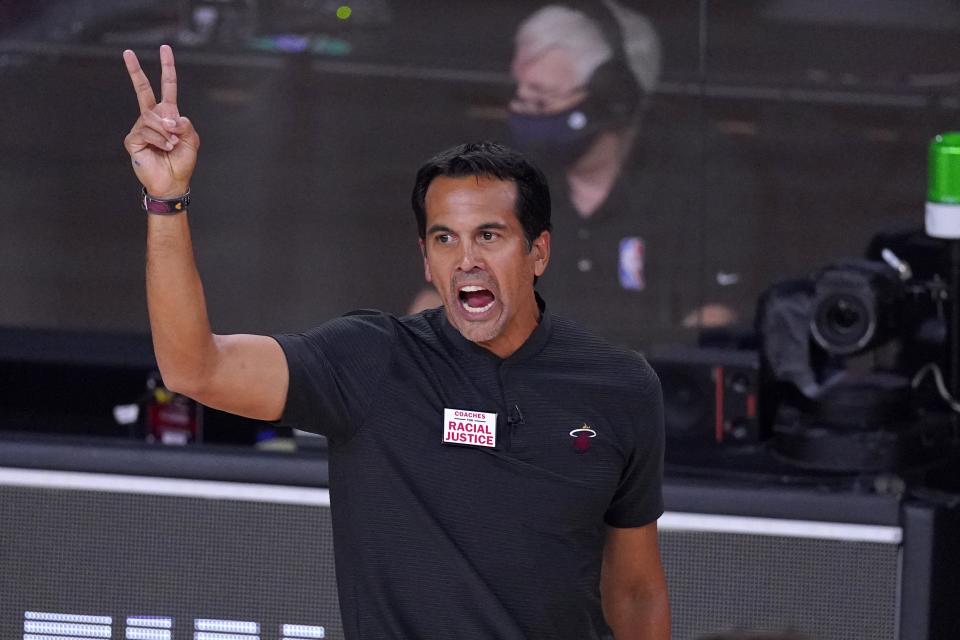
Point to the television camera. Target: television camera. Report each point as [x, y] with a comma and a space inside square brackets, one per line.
[849, 354]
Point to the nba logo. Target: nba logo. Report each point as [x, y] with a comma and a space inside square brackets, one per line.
[631, 263]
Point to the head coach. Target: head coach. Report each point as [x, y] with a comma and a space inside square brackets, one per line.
[495, 471]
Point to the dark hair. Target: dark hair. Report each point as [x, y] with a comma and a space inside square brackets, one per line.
[493, 160]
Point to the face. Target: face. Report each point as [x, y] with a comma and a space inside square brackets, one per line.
[475, 254]
[547, 82]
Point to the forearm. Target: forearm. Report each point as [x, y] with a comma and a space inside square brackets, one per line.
[638, 617]
[182, 340]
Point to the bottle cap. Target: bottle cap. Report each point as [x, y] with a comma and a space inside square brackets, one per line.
[944, 169]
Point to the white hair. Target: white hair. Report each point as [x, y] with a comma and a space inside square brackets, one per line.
[574, 31]
[557, 26]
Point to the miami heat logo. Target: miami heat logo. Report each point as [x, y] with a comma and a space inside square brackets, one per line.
[581, 438]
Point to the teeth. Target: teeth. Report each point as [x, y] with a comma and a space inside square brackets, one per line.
[485, 307]
[470, 288]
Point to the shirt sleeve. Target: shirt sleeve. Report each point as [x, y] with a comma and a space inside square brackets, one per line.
[639, 496]
[335, 370]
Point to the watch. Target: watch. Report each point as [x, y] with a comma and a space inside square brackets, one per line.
[164, 206]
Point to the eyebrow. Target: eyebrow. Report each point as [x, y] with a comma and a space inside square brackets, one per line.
[491, 225]
[440, 228]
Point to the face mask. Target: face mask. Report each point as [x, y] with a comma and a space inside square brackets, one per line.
[559, 138]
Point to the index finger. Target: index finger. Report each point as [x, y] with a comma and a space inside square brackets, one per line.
[168, 76]
[141, 85]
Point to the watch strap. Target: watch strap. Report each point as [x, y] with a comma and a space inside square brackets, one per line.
[165, 206]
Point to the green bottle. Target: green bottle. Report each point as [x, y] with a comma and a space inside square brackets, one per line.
[943, 190]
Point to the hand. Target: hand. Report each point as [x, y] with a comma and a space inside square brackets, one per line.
[162, 144]
[709, 316]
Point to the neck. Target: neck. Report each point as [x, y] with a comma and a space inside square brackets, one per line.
[517, 333]
[592, 176]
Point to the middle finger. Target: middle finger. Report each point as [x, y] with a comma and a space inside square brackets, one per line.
[168, 76]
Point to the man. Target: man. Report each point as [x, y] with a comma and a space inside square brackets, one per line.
[493, 469]
[583, 81]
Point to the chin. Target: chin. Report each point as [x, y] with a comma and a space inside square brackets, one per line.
[478, 332]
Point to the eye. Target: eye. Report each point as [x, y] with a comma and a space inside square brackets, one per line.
[443, 238]
[488, 236]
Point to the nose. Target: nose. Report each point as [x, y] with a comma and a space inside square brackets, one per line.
[470, 258]
[526, 100]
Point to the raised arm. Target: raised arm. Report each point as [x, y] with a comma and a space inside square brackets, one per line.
[242, 374]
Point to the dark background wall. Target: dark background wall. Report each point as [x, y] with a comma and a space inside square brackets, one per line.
[813, 117]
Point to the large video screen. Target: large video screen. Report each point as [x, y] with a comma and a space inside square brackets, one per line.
[697, 151]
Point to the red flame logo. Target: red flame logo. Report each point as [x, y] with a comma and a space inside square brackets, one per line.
[581, 438]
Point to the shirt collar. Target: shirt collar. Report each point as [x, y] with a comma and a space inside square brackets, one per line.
[532, 346]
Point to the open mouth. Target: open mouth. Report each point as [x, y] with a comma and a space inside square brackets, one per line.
[476, 299]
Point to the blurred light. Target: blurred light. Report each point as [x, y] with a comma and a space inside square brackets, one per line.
[343, 12]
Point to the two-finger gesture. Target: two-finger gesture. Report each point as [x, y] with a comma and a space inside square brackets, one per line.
[162, 144]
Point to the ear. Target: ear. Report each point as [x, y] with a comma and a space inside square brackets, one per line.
[426, 265]
[541, 253]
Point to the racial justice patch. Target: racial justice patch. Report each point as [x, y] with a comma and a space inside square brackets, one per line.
[474, 428]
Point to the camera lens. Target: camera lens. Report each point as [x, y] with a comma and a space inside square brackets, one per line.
[843, 316]
[843, 322]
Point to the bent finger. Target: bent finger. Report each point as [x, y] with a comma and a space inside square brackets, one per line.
[186, 132]
[163, 126]
[180, 124]
[143, 136]
[168, 76]
[145, 97]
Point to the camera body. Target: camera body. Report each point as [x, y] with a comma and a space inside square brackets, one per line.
[839, 351]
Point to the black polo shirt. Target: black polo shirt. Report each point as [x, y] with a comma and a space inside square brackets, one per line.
[696, 237]
[437, 540]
